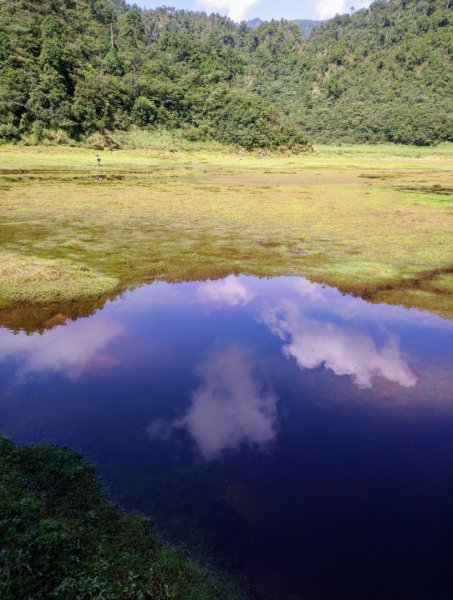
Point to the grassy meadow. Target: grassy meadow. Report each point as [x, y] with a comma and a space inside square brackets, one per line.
[372, 220]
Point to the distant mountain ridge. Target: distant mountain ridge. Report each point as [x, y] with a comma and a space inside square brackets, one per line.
[306, 26]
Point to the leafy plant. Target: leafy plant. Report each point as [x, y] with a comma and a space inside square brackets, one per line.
[59, 538]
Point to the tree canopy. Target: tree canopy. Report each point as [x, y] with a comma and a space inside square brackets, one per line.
[85, 66]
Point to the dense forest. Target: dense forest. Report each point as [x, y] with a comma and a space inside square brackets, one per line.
[306, 26]
[71, 68]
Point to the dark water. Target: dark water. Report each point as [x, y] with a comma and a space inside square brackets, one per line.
[303, 437]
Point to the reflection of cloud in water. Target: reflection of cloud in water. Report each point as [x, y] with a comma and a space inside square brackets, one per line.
[229, 291]
[69, 349]
[228, 409]
[314, 292]
[339, 348]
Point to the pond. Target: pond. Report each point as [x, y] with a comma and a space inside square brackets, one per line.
[299, 436]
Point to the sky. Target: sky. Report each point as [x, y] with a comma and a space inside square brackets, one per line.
[265, 9]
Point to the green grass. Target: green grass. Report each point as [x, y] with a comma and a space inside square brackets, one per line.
[31, 279]
[61, 539]
[370, 220]
[387, 150]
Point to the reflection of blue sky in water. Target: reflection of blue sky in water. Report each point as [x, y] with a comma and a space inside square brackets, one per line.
[318, 327]
[230, 407]
[289, 421]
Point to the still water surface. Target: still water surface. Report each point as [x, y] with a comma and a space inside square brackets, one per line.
[303, 437]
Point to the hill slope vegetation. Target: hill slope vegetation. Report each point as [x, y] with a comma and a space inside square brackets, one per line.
[70, 69]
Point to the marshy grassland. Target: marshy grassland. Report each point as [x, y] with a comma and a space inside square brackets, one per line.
[376, 221]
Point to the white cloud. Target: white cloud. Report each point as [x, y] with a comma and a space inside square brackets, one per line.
[229, 291]
[229, 408]
[237, 9]
[340, 348]
[326, 9]
[69, 349]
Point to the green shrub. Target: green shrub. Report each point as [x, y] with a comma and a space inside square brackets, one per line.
[59, 538]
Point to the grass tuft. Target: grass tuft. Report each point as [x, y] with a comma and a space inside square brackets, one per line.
[38, 280]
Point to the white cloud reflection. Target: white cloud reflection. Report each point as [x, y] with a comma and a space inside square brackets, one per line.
[313, 292]
[69, 349]
[230, 408]
[229, 291]
[338, 347]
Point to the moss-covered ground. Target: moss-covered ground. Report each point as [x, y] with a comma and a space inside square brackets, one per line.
[375, 221]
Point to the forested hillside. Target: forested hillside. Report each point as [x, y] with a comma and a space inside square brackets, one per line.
[70, 68]
[306, 26]
[383, 74]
